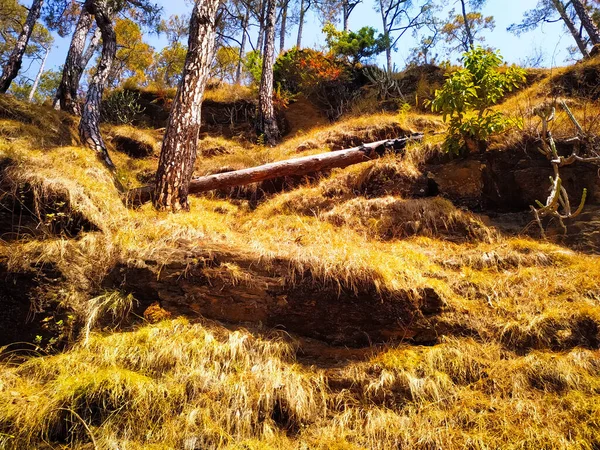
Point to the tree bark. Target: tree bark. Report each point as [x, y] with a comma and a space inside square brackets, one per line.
[266, 124]
[39, 75]
[13, 64]
[290, 167]
[587, 21]
[571, 26]
[238, 71]
[72, 69]
[467, 25]
[178, 153]
[282, 31]
[89, 126]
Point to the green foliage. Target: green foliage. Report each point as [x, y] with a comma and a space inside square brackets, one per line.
[46, 89]
[225, 63]
[466, 99]
[354, 45]
[253, 66]
[121, 106]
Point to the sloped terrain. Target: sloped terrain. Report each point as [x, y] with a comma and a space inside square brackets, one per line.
[398, 303]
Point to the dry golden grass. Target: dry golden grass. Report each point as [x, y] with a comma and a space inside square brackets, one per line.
[226, 93]
[515, 364]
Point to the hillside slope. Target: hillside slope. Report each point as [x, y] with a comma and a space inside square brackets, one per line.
[394, 304]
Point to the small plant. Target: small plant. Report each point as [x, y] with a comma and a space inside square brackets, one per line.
[121, 107]
[385, 84]
[468, 95]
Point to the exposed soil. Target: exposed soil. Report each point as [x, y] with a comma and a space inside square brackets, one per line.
[200, 283]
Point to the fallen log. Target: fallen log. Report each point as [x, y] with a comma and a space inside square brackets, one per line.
[289, 167]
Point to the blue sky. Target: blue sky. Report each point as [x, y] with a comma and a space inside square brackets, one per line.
[550, 39]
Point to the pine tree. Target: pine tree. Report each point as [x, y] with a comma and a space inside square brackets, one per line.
[178, 153]
[266, 123]
[15, 60]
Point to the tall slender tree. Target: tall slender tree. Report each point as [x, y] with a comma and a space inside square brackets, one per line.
[89, 125]
[398, 17]
[347, 8]
[75, 63]
[467, 25]
[283, 18]
[545, 12]
[586, 21]
[304, 7]
[15, 60]
[568, 21]
[178, 153]
[38, 77]
[244, 31]
[266, 123]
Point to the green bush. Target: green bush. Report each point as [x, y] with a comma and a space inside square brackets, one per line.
[466, 99]
[354, 45]
[121, 107]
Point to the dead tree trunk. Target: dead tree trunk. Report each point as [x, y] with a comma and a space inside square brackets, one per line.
[13, 64]
[571, 26]
[178, 152]
[89, 126]
[38, 77]
[266, 124]
[290, 167]
[72, 70]
[587, 21]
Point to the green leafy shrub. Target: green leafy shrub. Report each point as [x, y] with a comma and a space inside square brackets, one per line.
[253, 66]
[466, 99]
[121, 107]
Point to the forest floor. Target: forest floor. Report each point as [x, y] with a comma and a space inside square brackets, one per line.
[406, 302]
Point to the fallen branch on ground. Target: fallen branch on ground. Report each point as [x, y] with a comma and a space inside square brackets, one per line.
[289, 167]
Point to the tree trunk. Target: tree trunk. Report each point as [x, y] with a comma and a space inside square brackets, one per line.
[346, 15]
[282, 30]
[587, 21]
[571, 26]
[300, 24]
[72, 70]
[39, 75]
[178, 153]
[13, 64]
[467, 26]
[89, 126]
[290, 167]
[238, 71]
[261, 27]
[266, 124]
[388, 47]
